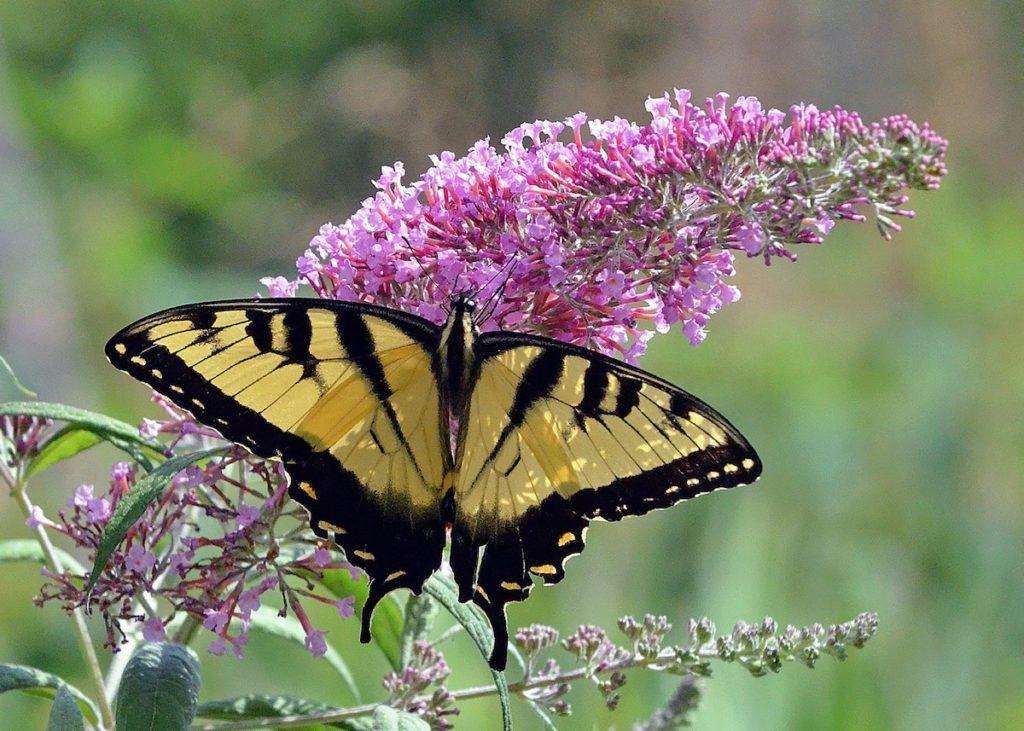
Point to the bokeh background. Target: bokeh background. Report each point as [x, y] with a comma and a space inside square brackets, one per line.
[157, 153]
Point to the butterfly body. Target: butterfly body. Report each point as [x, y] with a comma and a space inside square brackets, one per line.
[401, 436]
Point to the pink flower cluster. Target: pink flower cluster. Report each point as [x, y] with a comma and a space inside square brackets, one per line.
[582, 240]
[221, 537]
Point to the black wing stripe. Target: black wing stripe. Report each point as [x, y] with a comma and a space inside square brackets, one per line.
[299, 333]
[595, 388]
[355, 337]
[537, 382]
[629, 394]
[259, 329]
[236, 421]
[357, 340]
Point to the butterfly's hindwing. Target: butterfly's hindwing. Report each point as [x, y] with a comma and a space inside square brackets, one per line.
[555, 436]
[538, 545]
[344, 394]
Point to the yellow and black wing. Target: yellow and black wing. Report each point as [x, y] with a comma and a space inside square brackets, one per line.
[344, 394]
[555, 436]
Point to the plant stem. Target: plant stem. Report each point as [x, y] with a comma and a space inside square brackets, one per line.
[81, 630]
[465, 694]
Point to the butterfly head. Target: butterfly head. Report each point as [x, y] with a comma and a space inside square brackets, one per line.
[463, 312]
[463, 304]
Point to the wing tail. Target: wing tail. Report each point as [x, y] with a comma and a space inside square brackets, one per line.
[546, 538]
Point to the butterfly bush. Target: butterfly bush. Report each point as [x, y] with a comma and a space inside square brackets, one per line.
[203, 555]
[600, 233]
[585, 240]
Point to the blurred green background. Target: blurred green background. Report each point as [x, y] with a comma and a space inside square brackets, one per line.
[154, 154]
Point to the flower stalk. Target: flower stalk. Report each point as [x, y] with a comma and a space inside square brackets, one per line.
[11, 474]
[759, 647]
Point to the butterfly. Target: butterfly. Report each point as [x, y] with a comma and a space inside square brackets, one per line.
[401, 436]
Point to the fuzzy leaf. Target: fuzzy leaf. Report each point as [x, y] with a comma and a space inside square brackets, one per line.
[135, 503]
[65, 715]
[159, 690]
[419, 618]
[258, 705]
[38, 683]
[386, 718]
[122, 435]
[444, 591]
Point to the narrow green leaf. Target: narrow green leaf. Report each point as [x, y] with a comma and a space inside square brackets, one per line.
[386, 718]
[26, 549]
[268, 621]
[17, 384]
[258, 706]
[65, 715]
[122, 435]
[135, 502]
[419, 618]
[43, 684]
[66, 443]
[387, 624]
[159, 690]
[444, 591]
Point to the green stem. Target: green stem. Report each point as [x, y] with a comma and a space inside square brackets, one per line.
[81, 630]
[465, 694]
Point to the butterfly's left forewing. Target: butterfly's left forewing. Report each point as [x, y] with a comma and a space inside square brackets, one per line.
[555, 436]
[343, 393]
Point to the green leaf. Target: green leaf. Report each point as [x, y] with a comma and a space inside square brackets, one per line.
[386, 718]
[258, 706]
[419, 618]
[387, 623]
[269, 621]
[135, 502]
[26, 549]
[65, 715]
[122, 435]
[66, 443]
[159, 690]
[17, 384]
[444, 591]
[38, 683]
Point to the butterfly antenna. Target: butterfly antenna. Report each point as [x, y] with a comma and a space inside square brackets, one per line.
[423, 270]
[495, 298]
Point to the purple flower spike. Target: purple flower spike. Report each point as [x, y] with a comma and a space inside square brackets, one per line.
[582, 240]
